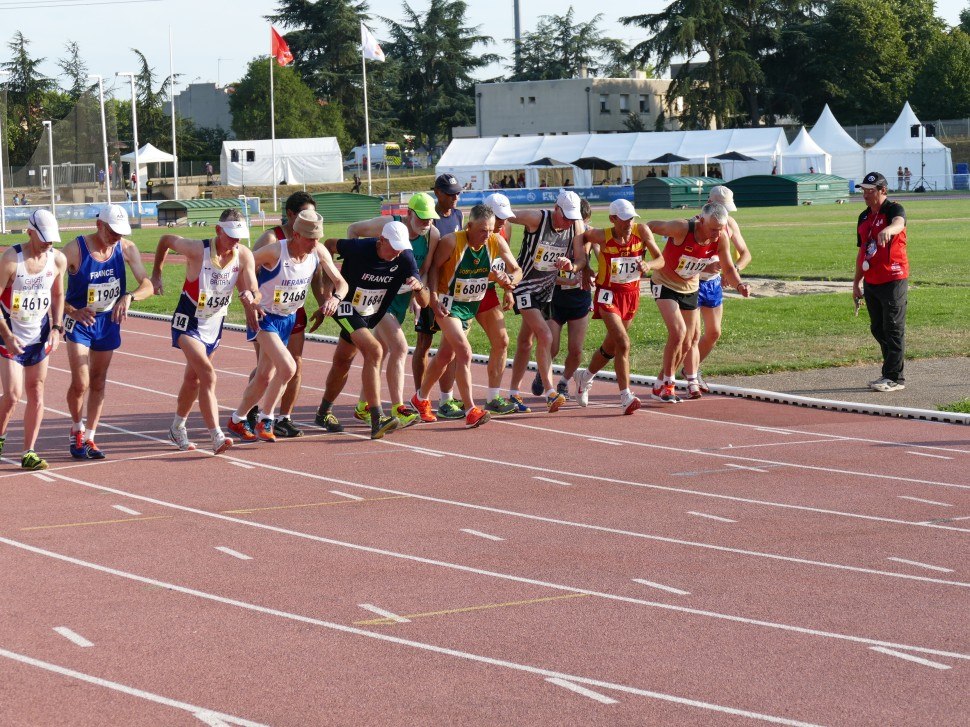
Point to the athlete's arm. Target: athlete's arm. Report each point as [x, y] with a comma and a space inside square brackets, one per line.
[738, 243]
[446, 246]
[85, 316]
[267, 256]
[328, 268]
[57, 300]
[656, 260]
[513, 273]
[367, 228]
[144, 290]
[729, 272]
[267, 238]
[433, 237]
[190, 249]
[530, 219]
[674, 230]
[248, 288]
[8, 269]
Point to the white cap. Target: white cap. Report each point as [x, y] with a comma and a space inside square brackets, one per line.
[500, 205]
[568, 202]
[236, 229]
[115, 217]
[723, 195]
[396, 233]
[45, 225]
[623, 209]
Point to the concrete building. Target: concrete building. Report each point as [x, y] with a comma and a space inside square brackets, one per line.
[567, 106]
[206, 104]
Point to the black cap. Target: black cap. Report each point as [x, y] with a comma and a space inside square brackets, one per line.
[447, 184]
[873, 179]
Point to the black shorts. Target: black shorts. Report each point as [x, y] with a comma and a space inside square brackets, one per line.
[425, 322]
[533, 300]
[352, 322]
[685, 301]
[570, 304]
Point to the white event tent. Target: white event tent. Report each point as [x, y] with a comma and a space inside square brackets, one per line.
[898, 148]
[472, 160]
[298, 161]
[804, 155]
[848, 157]
[148, 154]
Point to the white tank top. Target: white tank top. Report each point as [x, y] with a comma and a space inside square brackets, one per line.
[29, 299]
[215, 292]
[284, 288]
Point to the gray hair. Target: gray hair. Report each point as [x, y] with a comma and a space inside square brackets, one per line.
[481, 211]
[231, 214]
[715, 212]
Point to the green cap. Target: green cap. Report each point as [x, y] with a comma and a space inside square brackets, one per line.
[423, 206]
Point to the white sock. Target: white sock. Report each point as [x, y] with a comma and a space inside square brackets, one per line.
[626, 392]
[217, 433]
[78, 427]
[563, 381]
[282, 417]
[420, 396]
[493, 394]
[179, 422]
[236, 418]
[91, 433]
[668, 380]
[513, 392]
[551, 392]
[445, 397]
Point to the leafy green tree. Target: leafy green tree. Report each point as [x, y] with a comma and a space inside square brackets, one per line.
[438, 55]
[561, 47]
[921, 27]
[942, 88]
[75, 70]
[299, 114]
[26, 87]
[965, 20]
[634, 122]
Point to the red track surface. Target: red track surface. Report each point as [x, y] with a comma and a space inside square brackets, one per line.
[788, 543]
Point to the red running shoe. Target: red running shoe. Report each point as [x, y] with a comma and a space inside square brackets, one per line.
[475, 417]
[241, 430]
[424, 408]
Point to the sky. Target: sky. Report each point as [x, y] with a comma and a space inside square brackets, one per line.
[214, 40]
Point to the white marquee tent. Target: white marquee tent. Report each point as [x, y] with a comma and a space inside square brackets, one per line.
[472, 160]
[804, 155]
[848, 157]
[298, 161]
[898, 148]
[148, 154]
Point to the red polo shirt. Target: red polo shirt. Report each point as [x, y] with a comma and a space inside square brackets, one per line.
[887, 263]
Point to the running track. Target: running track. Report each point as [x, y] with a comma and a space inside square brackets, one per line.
[715, 562]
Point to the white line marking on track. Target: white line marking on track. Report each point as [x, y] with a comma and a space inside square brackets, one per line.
[344, 494]
[481, 534]
[920, 499]
[661, 586]
[386, 614]
[45, 478]
[712, 517]
[240, 464]
[233, 553]
[927, 454]
[566, 684]
[776, 444]
[555, 482]
[598, 440]
[743, 467]
[126, 510]
[774, 431]
[910, 657]
[428, 452]
[124, 689]
[72, 636]
[210, 718]
[922, 565]
[525, 668]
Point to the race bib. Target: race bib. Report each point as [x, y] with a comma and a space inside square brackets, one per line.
[655, 290]
[345, 309]
[212, 305]
[470, 289]
[604, 296]
[367, 302]
[546, 256]
[690, 267]
[523, 300]
[624, 269]
[286, 300]
[446, 302]
[102, 296]
[69, 324]
[28, 306]
[180, 322]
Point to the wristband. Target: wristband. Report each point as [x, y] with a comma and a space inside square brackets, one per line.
[59, 328]
[338, 297]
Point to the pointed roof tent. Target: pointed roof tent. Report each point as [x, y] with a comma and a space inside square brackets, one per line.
[848, 157]
[804, 154]
[899, 134]
[148, 154]
[899, 148]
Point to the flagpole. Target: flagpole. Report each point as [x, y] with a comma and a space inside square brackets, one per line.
[171, 93]
[272, 125]
[363, 63]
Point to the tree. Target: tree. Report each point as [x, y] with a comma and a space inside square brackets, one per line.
[965, 20]
[634, 122]
[75, 70]
[942, 88]
[25, 110]
[561, 47]
[299, 114]
[435, 83]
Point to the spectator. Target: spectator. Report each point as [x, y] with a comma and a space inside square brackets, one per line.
[568, 182]
[208, 173]
[356, 189]
[907, 175]
[652, 172]
[16, 199]
[101, 179]
[811, 170]
[521, 180]
[899, 179]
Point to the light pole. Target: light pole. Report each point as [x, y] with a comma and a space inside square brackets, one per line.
[134, 131]
[50, 158]
[3, 206]
[104, 133]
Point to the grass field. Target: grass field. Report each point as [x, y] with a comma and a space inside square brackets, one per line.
[773, 334]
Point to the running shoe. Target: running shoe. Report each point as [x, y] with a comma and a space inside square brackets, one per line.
[91, 450]
[452, 409]
[329, 422]
[693, 390]
[629, 402]
[500, 407]
[424, 408]
[703, 384]
[252, 416]
[241, 429]
[406, 416]
[537, 385]
[584, 382]
[665, 393]
[475, 417]
[30, 461]
[382, 426]
[180, 438]
[77, 444]
[554, 401]
[264, 430]
[563, 388]
[704, 388]
[220, 443]
[887, 385]
[520, 407]
[285, 429]
[362, 411]
[3, 440]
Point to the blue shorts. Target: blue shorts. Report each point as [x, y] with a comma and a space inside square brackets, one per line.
[32, 355]
[282, 326]
[570, 304]
[102, 335]
[209, 347]
[710, 294]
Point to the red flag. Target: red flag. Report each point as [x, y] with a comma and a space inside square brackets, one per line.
[279, 49]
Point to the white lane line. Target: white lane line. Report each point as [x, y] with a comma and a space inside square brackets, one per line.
[597, 440]
[428, 452]
[920, 499]
[73, 636]
[774, 431]
[432, 648]
[927, 454]
[124, 689]
[126, 510]
[386, 614]
[344, 494]
[233, 553]
[789, 443]
[566, 684]
[921, 565]
[661, 586]
[481, 534]
[210, 719]
[910, 657]
[240, 464]
[555, 482]
[712, 517]
[45, 478]
[742, 467]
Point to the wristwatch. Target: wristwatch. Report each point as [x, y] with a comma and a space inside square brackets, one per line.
[58, 327]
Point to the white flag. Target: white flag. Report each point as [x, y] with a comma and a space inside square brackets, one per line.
[368, 45]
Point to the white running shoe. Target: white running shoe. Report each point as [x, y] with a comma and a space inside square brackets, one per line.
[220, 443]
[629, 402]
[584, 382]
[180, 438]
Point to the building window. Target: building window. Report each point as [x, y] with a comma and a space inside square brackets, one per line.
[532, 99]
[522, 100]
[624, 103]
[644, 104]
[604, 103]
